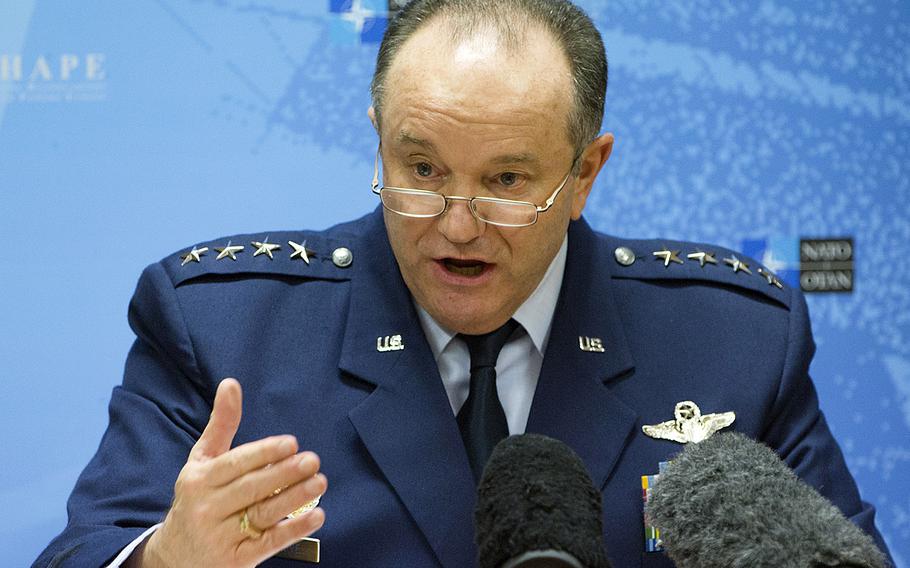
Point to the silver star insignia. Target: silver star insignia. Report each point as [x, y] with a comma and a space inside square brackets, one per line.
[702, 258]
[689, 425]
[265, 247]
[228, 251]
[772, 278]
[301, 252]
[194, 255]
[668, 256]
[737, 264]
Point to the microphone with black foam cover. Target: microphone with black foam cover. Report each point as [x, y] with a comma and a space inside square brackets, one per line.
[730, 501]
[537, 508]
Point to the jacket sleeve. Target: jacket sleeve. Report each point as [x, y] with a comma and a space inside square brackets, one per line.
[797, 430]
[155, 416]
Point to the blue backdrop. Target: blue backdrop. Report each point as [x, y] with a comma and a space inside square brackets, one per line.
[131, 129]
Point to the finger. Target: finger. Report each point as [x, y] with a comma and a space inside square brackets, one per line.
[247, 458]
[260, 484]
[271, 511]
[281, 536]
[223, 423]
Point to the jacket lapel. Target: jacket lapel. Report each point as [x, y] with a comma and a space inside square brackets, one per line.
[572, 402]
[406, 423]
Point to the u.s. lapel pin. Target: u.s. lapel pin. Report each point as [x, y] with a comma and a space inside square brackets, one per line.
[389, 343]
[590, 344]
[689, 425]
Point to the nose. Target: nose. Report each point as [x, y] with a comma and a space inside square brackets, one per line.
[458, 224]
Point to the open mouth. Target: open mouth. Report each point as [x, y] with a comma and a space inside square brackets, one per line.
[464, 267]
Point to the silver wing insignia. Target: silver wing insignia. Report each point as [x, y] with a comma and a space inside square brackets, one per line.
[665, 431]
[711, 423]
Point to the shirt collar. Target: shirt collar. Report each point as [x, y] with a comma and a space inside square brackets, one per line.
[535, 315]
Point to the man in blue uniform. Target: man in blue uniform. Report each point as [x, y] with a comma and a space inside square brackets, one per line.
[358, 344]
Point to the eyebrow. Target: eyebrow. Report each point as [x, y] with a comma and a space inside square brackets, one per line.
[520, 158]
[408, 138]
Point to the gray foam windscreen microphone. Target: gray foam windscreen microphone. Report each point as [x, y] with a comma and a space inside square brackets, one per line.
[731, 502]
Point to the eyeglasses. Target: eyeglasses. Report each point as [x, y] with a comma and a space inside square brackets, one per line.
[423, 204]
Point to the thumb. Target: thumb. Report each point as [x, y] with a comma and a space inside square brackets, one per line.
[223, 423]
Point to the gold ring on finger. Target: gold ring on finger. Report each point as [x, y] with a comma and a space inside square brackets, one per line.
[247, 528]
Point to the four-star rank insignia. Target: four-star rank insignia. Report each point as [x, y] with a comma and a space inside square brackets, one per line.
[265, 247]
[689, 425]
[299, 251]
[625, 257]
[342, 258]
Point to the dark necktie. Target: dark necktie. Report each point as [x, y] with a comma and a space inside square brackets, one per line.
[481, 420]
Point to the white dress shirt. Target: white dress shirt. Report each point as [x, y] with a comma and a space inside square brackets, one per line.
[518, 367]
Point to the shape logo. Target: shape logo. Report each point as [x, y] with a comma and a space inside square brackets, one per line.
[53, 78]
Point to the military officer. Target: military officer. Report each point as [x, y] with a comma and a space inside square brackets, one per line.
[356, 350]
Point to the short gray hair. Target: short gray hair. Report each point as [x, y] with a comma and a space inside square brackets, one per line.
[572, 29]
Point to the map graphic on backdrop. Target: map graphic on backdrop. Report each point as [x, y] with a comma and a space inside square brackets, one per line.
[750, 126]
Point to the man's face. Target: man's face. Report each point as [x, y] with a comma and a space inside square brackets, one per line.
[473, 119]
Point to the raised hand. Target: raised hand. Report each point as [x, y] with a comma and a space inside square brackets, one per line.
[230, 505]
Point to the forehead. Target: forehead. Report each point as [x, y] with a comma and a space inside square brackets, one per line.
[479, 84]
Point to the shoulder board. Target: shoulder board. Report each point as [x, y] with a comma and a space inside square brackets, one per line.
[658, 259]
[302, 254]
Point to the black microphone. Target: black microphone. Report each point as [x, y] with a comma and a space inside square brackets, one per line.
[537, 508]
[730, 501]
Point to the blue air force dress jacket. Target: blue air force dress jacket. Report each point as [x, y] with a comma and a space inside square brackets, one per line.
[302, 339]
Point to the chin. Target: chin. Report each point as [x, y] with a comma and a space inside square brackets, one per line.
[470, 322]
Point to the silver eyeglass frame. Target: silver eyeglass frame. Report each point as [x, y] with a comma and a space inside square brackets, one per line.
[470, 200]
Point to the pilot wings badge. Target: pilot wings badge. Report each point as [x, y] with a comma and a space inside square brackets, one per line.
[689, 424]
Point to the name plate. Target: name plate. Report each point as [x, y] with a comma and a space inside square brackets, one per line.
[306, 550]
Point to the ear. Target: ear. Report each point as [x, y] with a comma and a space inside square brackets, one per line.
[371, 112]
[592, 160]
